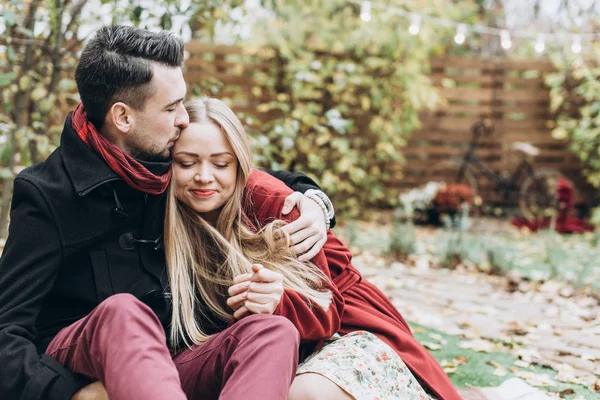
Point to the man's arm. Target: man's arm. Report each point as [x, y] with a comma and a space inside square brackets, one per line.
[302, 183]
[28, 269]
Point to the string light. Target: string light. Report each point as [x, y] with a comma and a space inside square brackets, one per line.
[505, 39]
[461, 28]
[415, 24]
[540, 44]
[461, 31]
[365, 11]
[576, 44]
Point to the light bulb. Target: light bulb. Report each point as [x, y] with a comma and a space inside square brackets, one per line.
[576, 45]
[365, 11]
[505, 39]
[415, 24]
[540, 44]
[461, 30]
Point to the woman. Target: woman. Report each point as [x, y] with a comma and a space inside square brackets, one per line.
[213, 178]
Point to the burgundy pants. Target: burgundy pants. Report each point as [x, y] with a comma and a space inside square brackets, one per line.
[122, 344]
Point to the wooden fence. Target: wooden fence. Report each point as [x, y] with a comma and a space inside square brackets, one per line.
[511, 94]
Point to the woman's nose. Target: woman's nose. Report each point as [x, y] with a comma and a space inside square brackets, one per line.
[203, 176]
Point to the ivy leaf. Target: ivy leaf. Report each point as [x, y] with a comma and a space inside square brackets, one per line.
[7, 78]
[10, 18]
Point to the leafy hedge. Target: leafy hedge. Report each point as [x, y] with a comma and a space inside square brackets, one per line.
[344, 96]
[575, 99]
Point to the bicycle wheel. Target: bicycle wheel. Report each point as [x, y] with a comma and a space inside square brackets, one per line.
[538, 193]
[447, 172]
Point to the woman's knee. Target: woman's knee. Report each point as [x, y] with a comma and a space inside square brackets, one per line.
[312, 386]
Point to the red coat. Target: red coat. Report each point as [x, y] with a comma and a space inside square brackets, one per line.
[364, 306]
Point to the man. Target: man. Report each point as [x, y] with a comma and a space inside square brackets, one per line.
[84, 298]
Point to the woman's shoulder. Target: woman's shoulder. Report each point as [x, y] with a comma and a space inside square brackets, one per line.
[264, 182]
[264, 196]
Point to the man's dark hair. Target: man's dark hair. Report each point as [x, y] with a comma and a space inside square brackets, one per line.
[115, 65]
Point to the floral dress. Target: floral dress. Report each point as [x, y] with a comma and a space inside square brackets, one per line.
[365, 367]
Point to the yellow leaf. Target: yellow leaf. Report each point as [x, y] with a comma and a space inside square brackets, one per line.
[256, 91]
[263, 108]
[365, 103]
[560, 133]
[24, 82]
[322, 139]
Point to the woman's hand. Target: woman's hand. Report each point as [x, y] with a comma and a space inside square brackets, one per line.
[258, 292]
[308, 233]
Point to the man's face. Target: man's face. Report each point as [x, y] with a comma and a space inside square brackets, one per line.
[159, 124]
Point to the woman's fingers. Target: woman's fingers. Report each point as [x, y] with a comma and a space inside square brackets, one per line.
[263, 298]
[235, 302]
[238, 288]
[265, 287]
[257, 308]
[242, 277]
[241, 312]
[266, 275]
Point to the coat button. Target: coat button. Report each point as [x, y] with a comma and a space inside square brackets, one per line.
[126, 241]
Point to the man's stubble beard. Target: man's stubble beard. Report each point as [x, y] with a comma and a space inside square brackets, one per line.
[136, 151]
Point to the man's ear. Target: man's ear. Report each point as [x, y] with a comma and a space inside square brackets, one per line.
[121, 117]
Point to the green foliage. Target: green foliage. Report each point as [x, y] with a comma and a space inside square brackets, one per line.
[403, 237]
[575, 99]
[36, 96]
[479, 369]
[542, 256]
[343, 96]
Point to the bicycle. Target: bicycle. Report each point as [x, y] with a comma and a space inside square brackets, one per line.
[536, 187]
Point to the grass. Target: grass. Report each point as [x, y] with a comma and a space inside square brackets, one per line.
[479, 371]
[536, 256]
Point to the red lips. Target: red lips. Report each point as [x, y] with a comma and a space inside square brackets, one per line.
[204, 192]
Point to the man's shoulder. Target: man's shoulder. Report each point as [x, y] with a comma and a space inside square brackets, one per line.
[47, 176]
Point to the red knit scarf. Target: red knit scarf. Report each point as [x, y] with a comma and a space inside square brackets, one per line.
[134, 173]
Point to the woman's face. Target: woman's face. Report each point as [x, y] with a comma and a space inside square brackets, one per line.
[205, 169]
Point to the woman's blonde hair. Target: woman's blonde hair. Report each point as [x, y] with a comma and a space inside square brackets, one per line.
[203, 260]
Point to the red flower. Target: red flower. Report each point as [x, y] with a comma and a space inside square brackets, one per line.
[451, 197]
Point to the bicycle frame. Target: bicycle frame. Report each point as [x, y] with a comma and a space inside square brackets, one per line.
[506, 186]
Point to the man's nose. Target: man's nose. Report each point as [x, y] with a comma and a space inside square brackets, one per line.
[183, 119]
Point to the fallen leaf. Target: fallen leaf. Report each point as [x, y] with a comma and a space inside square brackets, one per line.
[522, 364]
[535, 379]
[432, 346]
[565, 392]
[461, 360]
[478, 345]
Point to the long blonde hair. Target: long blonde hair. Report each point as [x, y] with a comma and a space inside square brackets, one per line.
[203, 260]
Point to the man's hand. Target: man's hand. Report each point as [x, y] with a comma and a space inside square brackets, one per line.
[93, 391]
[258, 292]
[308, 233]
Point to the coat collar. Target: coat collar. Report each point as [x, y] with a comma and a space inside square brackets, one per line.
[85, 167]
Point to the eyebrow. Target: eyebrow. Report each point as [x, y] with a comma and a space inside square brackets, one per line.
[212, 155]
[173, 103]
